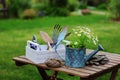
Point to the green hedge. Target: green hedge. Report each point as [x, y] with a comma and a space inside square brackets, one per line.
[115, 9]
[17, 6]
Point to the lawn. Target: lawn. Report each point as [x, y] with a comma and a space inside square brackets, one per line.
[15, 32]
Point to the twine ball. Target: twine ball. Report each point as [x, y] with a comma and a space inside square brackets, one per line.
[53, 63]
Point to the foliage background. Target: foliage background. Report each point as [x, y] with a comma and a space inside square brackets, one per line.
[14, 33]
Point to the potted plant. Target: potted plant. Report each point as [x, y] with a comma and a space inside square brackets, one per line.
[76, 46]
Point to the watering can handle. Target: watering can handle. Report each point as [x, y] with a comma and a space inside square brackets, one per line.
[60, 38]
[58, 52]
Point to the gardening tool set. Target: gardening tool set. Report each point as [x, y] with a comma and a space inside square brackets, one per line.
[54, 52]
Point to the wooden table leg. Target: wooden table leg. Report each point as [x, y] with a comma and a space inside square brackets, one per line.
[113, 74]
[54, 76]
[43, 74]
[87, 79]
[46, 77]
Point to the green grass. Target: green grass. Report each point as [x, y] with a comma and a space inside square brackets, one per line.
[15, 32]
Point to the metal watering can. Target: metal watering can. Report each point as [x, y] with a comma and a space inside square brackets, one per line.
[77, 57]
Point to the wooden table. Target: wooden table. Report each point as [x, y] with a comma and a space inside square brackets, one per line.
[86, 73]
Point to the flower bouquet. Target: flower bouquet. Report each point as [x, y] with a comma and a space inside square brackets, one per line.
[81, 37]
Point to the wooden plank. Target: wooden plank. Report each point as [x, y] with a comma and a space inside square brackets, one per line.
[92, 69]
[85, 71]
[66, 70]
[22, 60]
[107, 53]
[61, 69]
[97, 69]
[111, 58]
[71, 71]
[82, 70]
[103, 67]
[100, 73]
[109, 65]
[112, 55]
[114, 61]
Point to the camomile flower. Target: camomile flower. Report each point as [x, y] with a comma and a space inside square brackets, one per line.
[75, 43]
[78, 34]
[82, 36]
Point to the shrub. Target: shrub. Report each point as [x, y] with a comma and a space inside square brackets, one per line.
[38, 6]
[102, 6]
[56, 11]
[57, 8]
[61, 12]
[73, 5]
[17, 6]
[97, 2]
[115, 9]
[58, 3]
[29, 14]
[53, 8]
[83, 6]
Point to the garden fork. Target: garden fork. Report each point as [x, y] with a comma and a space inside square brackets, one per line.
[56, 32]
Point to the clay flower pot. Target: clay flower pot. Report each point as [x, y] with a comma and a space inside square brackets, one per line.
[85, 11]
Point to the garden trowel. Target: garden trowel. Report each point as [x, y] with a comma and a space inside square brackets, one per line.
[46, 37]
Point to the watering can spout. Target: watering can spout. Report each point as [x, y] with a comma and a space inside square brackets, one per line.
[88, 57]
